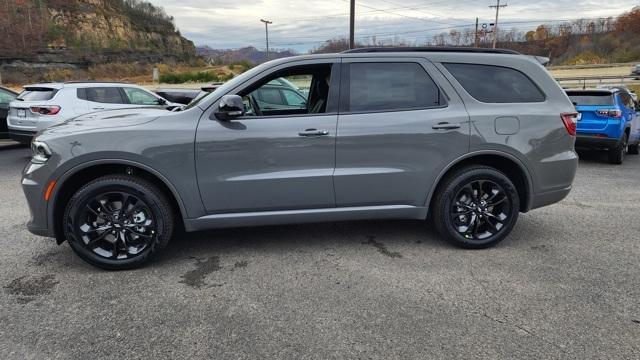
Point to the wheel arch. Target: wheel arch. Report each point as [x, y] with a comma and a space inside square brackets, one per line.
[80, 175]
[508, 164]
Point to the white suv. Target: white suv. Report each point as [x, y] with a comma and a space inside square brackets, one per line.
[42, 105]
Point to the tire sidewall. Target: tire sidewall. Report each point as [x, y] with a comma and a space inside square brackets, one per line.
[456, 183]
[101, 186]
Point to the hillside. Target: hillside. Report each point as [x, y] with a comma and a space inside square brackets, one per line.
[76, 34]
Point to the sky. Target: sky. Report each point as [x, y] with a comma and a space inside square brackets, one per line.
[302, 25]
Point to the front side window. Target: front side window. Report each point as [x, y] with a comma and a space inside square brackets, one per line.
[296, 91]
[140, 97]
[390, 87]
[495, 84]
[6, 97]
[105, 95]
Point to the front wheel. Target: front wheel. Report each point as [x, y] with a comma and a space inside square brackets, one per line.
[118, 222]
[476, 207]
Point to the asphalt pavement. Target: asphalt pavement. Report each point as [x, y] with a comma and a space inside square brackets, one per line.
[564, 285]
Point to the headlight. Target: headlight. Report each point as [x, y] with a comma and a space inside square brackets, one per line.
[41, 152]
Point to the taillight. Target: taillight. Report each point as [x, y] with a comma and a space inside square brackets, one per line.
[45, 110]
[614, 113]
[570, 121]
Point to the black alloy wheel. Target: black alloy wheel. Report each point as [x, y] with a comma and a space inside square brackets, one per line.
[118, 222]
[476, 207]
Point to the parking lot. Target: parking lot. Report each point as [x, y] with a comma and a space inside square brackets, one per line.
[565, 284]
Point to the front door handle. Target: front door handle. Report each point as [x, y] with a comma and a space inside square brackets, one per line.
[445, 126]
[313, 132]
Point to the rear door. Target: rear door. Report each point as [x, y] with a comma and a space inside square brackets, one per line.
[400, 124]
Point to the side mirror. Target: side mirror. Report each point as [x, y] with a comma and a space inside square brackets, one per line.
[231, 106]
[162, 101]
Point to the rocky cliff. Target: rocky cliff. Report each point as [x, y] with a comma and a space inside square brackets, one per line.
[80, 33]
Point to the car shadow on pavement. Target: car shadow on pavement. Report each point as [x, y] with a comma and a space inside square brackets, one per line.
[300, 238]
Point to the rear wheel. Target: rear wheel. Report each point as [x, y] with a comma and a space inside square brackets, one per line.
[618, 152]
[477, 207]
[118, 222]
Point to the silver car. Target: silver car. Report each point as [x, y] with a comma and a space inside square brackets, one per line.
[469, 138]
[42, 105]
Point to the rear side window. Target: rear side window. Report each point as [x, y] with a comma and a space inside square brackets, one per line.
[584, 98]
[390, 87]
[105, 95]
[37, 94]
[495, 84]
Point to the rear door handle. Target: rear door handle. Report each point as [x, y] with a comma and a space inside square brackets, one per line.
[445, 126]
[313, 132]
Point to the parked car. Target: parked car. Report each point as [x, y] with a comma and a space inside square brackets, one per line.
[467, 137]
[6, 96]
[636, 70]
[42, 105]
[621, 87]
[179, 96]
[608, 121]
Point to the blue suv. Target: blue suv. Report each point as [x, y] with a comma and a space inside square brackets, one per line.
[608, 121]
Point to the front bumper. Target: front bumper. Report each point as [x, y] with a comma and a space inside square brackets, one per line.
[33, 186]
[595, 142]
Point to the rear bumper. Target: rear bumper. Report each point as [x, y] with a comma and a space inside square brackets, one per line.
[549, 197]
[591, 142]
[23, 137]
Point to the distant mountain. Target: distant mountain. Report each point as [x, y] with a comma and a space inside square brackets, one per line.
[226, 56]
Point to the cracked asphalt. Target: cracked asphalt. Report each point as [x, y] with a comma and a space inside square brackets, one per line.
[564, 285]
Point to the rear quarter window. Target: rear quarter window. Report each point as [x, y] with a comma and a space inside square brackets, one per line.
[495, 84]
[37, 94]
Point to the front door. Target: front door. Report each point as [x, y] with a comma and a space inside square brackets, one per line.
[400, 124]
[281, 154]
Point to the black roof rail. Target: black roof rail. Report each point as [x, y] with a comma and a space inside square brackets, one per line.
[453, 49]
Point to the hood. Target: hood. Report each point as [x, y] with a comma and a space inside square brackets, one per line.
[108, 119]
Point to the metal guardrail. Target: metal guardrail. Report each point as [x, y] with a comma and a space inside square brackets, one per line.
[587, 81]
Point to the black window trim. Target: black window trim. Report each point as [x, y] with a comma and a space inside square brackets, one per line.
[345, 83]
[334, 91]
[544, 95]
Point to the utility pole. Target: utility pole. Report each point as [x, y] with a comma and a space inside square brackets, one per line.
[266, 29]
[495, 27]
[475, 42]
[352, 25]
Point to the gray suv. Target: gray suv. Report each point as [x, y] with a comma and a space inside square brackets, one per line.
[469, 138]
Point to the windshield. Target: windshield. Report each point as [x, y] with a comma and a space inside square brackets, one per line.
[591, 99]
[224, 88]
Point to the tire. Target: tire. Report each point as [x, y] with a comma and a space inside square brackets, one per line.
[468, 225]
[633, 149]
[118, 222]
[617, 153]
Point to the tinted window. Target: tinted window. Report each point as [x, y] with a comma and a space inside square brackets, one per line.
[495, 84]
[106, 95]
[37, 94]
[390, 86]
[627, 100]
[270, 96]
[6, 97]
[293, 99]
[140, 97]
[591, 99]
